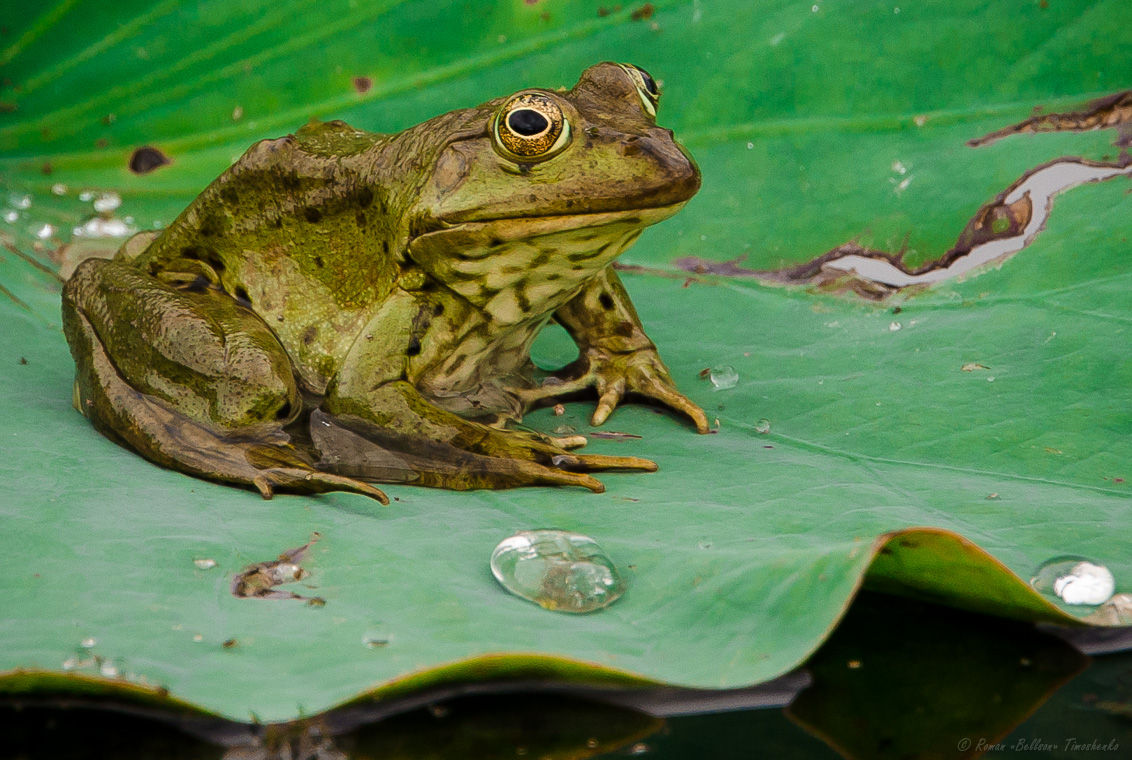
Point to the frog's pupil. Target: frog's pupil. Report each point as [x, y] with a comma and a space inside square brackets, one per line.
[527, 122]
[650, 85]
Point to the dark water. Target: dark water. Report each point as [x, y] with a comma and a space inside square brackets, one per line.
[898, 679]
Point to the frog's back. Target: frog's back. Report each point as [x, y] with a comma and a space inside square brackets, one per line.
[297, 230]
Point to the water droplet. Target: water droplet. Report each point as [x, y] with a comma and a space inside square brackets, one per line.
[565, 430]
[205, 564]
[198, 637]
[44, 231]
[1075, 580]
[107, 202]
[816, 8]
[20, 201]
[88, 642]
[894, 326]
[641, 748]
[11, 217]
[762, 426]
[100, 227]
[558, 570]
[724, 377]
[59, 189]
[86, 196]
[750, 146]
[108, 669]
[70, 663]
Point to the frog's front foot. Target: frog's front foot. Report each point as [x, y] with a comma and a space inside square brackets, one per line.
[614, 375]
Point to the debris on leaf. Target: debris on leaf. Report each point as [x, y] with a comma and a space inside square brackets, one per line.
[259, 580]
[972, 366]
[613, 435]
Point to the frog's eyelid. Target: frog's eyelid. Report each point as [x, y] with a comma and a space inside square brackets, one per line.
[648, 100]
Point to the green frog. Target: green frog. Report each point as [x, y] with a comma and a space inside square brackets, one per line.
[342, 307]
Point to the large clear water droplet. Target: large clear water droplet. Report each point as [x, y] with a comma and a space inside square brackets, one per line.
[557, 570]
[724, 377]
[1075, 580]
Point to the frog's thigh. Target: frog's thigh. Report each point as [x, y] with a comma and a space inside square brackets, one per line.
[201, 352]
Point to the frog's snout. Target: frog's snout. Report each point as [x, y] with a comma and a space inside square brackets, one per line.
[676, 174]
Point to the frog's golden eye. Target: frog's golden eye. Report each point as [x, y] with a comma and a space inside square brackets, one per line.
[531, 127]
[646, 87]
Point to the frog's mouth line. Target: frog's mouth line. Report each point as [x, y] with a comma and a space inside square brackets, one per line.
[512, 228]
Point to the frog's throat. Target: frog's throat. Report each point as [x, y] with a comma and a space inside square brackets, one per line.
[515, 270]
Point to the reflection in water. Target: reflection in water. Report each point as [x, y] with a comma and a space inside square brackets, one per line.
[898, 679]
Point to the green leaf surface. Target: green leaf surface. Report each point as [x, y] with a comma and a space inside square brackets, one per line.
[885, 462]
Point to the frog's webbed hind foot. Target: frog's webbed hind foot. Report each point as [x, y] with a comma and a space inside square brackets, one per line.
[358, 448]
[259, 456]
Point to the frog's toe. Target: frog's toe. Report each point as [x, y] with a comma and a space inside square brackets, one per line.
[311, 481]
[601, 462]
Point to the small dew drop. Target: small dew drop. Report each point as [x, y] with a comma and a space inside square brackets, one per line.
[762, 426]
[107, 202]
[70, 663]
[99, 227]
[204, 564]
[11, 216]
[723, 377]
[108, 669]
[816, 8]
[899, 168]
[19, 201]
[750, 146]
[88, 642]
[1075, 580]
[44, 231]
[557, 570]
[894, 326]
[58, 189]
[198, 637]
[86, 196]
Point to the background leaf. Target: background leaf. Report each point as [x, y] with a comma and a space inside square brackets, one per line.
[743, 551]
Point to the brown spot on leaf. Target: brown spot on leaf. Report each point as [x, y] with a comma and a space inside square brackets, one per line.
[147, 158]
[643, 13]
[362, 84]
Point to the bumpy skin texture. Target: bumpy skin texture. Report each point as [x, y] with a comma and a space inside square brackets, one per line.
[341, 306]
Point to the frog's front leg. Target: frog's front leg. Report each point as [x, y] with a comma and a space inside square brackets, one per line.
[373, 396]
[616, 357]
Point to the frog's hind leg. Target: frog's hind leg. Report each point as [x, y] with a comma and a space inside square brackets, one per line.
[190, 380]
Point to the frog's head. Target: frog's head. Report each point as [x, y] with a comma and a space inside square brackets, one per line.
[561, 171]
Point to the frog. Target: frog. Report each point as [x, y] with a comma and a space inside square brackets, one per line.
[341, 308]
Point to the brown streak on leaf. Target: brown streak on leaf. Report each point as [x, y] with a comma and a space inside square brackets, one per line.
[1110, 112]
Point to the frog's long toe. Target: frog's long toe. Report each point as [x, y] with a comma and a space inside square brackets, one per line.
[601, 463]
[309, 481]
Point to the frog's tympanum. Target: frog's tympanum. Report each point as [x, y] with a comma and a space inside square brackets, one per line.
[342, 307]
